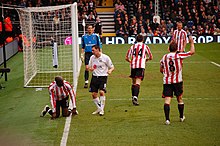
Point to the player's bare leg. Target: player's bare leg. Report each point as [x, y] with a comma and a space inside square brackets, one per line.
[167, 101]
[181, 108]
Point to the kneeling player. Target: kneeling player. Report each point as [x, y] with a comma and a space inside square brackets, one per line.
[59, 91]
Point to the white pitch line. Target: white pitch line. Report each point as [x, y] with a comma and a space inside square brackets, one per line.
[67, 125]
[215, 64]
[152, 99]
[154, 62]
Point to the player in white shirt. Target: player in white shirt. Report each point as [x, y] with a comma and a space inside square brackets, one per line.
[171, 67]
[101, 66]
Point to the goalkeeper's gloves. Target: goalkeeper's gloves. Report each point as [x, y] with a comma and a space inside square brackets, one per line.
[82, 57]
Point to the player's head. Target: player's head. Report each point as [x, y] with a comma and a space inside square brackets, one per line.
[139, 38]
[95, 47]
[59, 81]
[173, 46]
[96, 50]
[90, 28]
[179, 25]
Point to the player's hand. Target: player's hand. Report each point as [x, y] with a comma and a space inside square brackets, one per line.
[82, 57]
[74, 111]
[109, 72]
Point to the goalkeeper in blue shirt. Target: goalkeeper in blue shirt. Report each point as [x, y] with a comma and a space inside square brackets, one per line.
[88, 40]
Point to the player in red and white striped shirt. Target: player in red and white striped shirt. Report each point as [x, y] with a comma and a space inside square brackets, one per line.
[59, 91]
[180, 37]
[137, 56]
[171, 66]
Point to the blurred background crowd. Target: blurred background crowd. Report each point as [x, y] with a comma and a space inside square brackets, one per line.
[199, 17]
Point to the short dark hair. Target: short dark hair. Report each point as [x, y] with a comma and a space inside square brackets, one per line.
[139, 38]
[90, 25]
[96, 47]
[173, 46]
[59, 81]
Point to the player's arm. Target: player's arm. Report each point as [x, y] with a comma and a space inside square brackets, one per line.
[110, 66]
[192, 46]
[161, 66]
[127, 57]
[111, 70]
[53, 103]
[150, 56]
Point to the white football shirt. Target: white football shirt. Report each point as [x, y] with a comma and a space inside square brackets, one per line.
[101, 65]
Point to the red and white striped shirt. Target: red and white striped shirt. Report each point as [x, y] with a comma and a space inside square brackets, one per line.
[59, 93]
[138, 54]
[180, 38]
[172, 64]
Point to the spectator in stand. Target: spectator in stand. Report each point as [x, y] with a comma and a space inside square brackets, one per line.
[84, 15]
[91, 17]
[150, 33]
[207, 30]
[155, 24]
[162, 25]
[80, 6]
[163, 32]
[133, 26]
[120, 32]
[169, 26]
[98, 27]
[126, 29]
[193, 31]
[92, 5]
[190, 22]
[140, 26]
[120, 6]
[200, 30]
[118, 25]
[143, 33]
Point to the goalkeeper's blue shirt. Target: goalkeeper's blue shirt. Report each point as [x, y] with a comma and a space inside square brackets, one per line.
[89, 40]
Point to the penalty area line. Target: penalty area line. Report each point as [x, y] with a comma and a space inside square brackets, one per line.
[215, 64]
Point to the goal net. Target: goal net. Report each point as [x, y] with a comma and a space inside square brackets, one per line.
[50, 44]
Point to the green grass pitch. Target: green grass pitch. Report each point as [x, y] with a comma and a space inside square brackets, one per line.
[123, 124]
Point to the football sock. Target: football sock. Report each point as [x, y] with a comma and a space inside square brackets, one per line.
[102, 101]
[50, 112]
[135, 90]
[86, 75]
[47, 109]
[181, 109]
[97, 102]
[167, 111]
[132, 90]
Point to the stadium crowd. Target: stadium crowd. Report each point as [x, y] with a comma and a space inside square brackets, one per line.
[136, 16]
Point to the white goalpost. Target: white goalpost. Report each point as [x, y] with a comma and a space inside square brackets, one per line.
[50, 44]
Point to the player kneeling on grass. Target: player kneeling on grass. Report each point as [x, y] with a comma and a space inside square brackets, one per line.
[171, 67]
[59, 91]
[101, 66]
